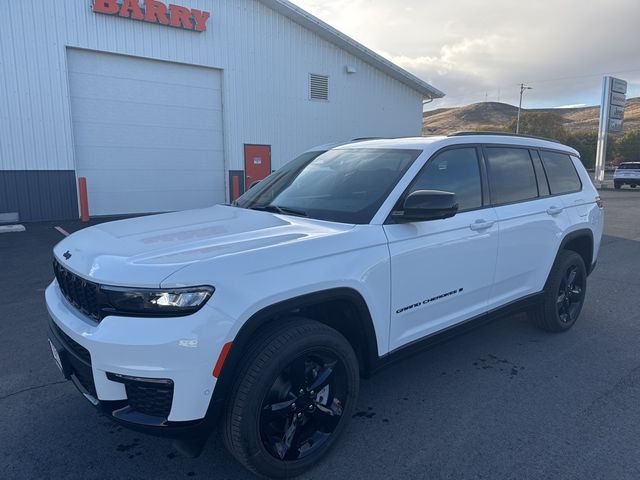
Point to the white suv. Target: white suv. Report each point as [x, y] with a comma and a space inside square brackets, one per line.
[264, 314]
[627, 173]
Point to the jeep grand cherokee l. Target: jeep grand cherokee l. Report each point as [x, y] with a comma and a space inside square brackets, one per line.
[261, 316]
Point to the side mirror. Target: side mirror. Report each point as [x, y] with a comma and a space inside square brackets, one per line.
[423, 205]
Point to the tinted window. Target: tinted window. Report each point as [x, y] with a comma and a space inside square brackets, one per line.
[454, 171]
[629, 166]
[511, 175]
[561, 173]
[341, 185]
[543, 185]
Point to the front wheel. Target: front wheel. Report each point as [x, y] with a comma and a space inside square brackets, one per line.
[617, 186]
[564, 293]
[293, 397]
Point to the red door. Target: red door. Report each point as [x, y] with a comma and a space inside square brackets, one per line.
[257, 164]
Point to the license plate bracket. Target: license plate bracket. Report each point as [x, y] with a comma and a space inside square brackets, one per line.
[59, 359]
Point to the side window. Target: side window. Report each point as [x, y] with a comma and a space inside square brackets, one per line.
[561, 173]
[543, 185]
[511, 175]
[454, 171]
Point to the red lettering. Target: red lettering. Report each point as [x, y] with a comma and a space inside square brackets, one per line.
[201, 19]
[131, 9]
[155, 12]
[110, 7]
[180, 17]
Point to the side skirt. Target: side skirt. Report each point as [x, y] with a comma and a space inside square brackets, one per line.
[524, 304]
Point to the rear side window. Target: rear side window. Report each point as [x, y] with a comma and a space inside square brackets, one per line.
[511, 175]
[455, 171]
[561, 173]
[543, 185]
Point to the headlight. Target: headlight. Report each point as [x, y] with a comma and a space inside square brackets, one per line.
[156, 302]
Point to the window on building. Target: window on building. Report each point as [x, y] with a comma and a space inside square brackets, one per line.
[511, 175]
[455, 171]
[318, 87]
[561, 173]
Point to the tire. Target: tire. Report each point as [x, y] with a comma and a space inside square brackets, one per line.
[272, 427]
[564, 293]
[617, 186]
[633, 185]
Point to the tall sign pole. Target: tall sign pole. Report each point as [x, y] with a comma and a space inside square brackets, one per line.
[612, 104]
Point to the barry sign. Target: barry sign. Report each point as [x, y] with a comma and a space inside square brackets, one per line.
[154, 11]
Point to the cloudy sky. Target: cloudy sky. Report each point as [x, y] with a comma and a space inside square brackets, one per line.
[481, 50]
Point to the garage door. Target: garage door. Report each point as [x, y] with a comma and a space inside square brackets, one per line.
[148, 134]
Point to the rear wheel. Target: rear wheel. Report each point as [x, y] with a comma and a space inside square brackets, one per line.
[292, 399]
[564, 293]
[633, 185]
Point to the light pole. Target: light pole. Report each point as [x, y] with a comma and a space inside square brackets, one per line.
[523, 87]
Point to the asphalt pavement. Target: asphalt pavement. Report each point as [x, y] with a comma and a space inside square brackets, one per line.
[505, 401]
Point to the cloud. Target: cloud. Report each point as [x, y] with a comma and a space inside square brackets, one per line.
[575, 105]
[476, 51]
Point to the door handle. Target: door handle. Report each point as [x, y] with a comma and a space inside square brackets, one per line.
[481, 225]
[554, 210]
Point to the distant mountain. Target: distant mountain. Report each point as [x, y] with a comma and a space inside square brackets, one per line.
[496, 116]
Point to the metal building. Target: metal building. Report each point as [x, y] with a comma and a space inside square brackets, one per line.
[167, 107]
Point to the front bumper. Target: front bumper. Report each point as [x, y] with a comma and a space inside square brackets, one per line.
[151, 374]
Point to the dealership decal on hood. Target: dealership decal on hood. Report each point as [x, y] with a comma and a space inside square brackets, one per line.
[427, 301]
[153, 11]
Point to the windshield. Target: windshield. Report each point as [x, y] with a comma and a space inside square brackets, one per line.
[344, 185]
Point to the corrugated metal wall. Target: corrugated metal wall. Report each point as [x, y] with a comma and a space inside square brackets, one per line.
[39, 194]
[266, 59]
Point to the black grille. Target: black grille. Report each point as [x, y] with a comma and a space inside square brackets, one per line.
[84, 375]
[151, 397]
[152, 400]
[79, 359]
[73, 346]
[81, 293]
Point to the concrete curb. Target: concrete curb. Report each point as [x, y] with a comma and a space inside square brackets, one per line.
[11, 228]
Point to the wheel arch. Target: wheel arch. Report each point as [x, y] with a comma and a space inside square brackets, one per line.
[354, 321]
[580, 241]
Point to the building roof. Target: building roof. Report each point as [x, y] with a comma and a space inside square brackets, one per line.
[345, 42]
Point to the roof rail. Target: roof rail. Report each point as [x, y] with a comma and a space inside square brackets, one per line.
[503, 134]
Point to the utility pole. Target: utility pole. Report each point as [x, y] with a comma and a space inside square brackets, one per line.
[523, 87]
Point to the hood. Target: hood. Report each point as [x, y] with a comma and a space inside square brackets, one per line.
[143, 251]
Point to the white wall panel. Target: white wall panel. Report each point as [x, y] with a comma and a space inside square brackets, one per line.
[265, 58]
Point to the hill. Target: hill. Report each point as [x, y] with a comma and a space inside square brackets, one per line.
[496, 116]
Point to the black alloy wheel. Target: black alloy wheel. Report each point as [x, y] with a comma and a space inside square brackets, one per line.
[304, 405]
[292, 397]
[570, 295]
[563, 294]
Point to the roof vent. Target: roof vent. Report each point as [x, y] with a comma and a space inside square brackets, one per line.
[318, 87]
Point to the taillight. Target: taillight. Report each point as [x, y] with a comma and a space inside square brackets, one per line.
[599, 202]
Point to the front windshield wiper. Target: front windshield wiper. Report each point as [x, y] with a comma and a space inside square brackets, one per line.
[279, 209]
